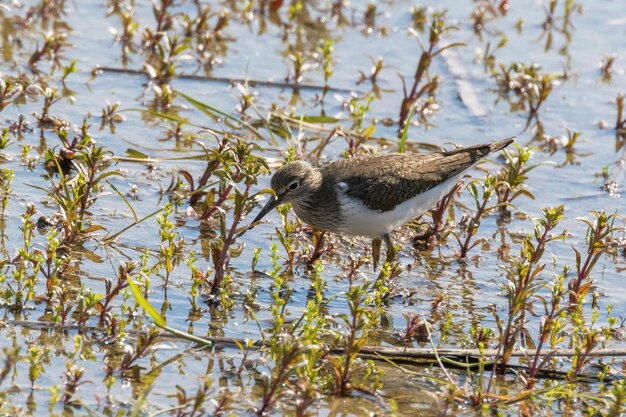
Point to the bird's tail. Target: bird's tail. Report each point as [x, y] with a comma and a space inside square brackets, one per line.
[501, 144]
[480, 151]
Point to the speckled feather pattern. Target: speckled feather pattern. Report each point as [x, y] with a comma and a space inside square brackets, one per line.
[384, 181]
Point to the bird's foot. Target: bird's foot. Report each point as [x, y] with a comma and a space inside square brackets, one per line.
[391, 250]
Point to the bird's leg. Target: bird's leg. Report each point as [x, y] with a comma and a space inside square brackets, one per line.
[376, 243]
[391, 250]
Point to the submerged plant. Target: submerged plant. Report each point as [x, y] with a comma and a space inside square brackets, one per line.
[620, 123]
[529, 87]
[607, 68]
[52, 48]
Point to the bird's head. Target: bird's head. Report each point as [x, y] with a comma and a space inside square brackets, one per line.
[291, 183]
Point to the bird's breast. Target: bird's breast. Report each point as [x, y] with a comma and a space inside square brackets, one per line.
[319, 214]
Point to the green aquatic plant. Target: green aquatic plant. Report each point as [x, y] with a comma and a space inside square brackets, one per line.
[484, 12]
[37, 357]
[358, 108]
[488, 57]
[124, 37]
[482, 198]
[10, 89]
[54, 267]
[599, 240]
[112, 289]
[326, 57]
[377, 67]
[442, 223]
[171, 248]
[551, 329]
[617, 400]
[111, 115]
[318, 247]
[17, 287]
[525, 88]
[419, 18]
[284, 349]
[50, 96]
[198, 280]
[585, 335]
[242, 168]
[523, 280]
[52, 48]
[6, 177]
[365, 303]
[164, 51]
[285, 236]
[513, 175]
[425, 84]
[191, 405]
[141, 347]
[246, 97]
[74, 193]
[210, 42]
[551, 25]
[313, 328]
[73, 380]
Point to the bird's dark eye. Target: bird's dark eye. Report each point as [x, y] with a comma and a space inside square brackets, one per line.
[294, 186]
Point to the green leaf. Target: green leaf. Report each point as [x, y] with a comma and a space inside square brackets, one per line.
[317, 119]
[94, 228]
[369, 131]
[130, 207]
[165, 116]
[209, 110]
[136, 154]
[405, 131]
[156, 317]
[109, 174]
[214, 112]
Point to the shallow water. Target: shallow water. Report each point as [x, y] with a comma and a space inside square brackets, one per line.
[256, 50]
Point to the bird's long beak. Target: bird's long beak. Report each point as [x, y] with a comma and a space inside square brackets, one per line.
[271, 204]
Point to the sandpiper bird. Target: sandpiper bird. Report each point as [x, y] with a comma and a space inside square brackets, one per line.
[372, 195]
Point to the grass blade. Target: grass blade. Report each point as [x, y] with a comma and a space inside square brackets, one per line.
[405, 131]
[132, 210]
[154, 315]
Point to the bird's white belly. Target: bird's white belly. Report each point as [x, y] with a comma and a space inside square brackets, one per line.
[360, 220]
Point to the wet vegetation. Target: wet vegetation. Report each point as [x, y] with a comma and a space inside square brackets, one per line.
[136, 147]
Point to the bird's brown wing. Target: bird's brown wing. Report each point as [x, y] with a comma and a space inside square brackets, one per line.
[384, 181]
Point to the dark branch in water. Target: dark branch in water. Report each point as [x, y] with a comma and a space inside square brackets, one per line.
[252, 83]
